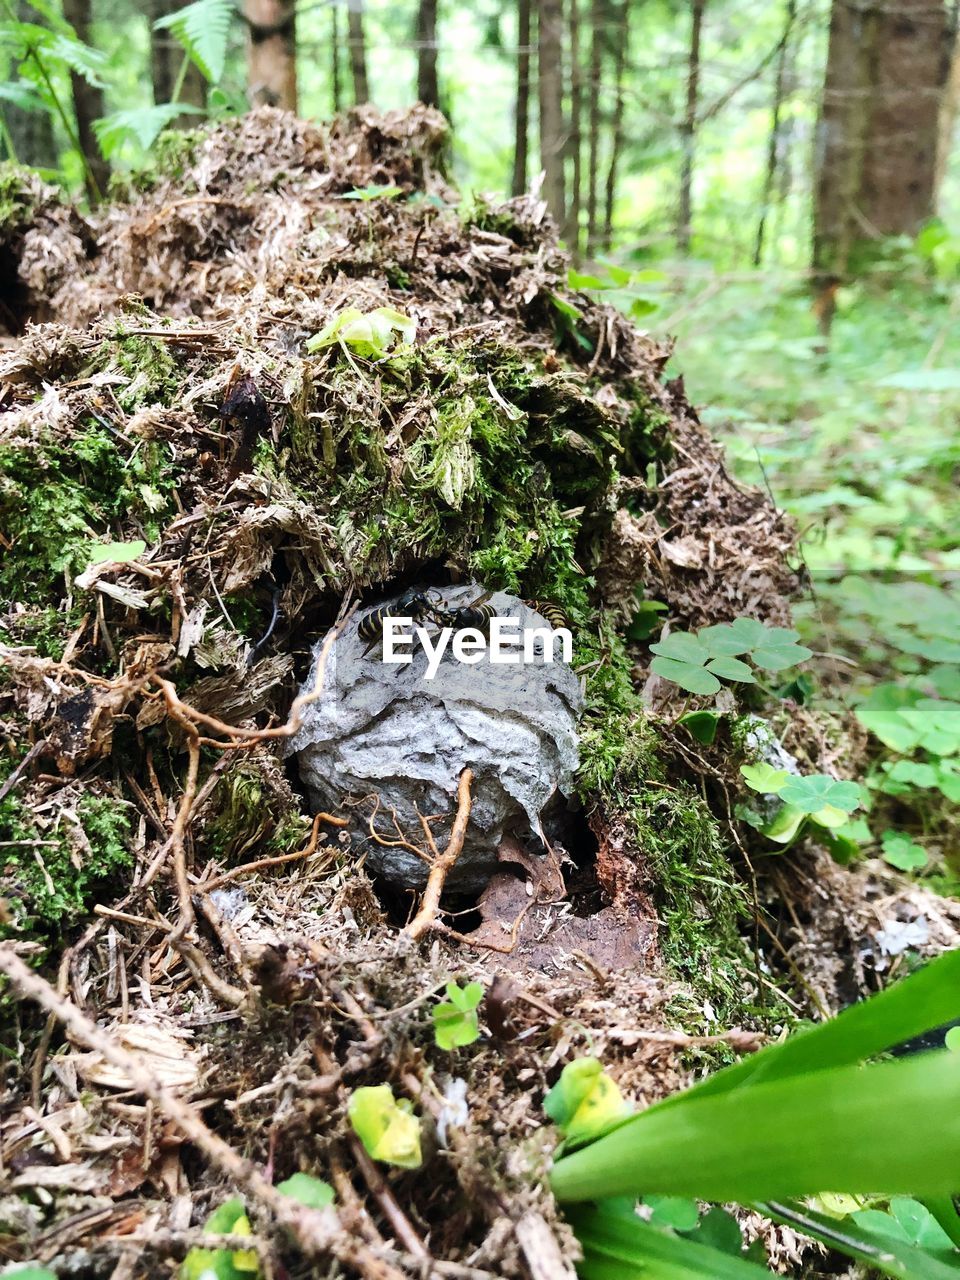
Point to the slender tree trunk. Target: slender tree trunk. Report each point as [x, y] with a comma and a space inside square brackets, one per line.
[428, 90]
[336, 87]
[688, 130]
[167, 65]
[87, 105]
[949, 104]
[550, 84]
[576, 130]
[877, 134]
[518, 184]
[597, 17]
[272, 52]
[621, 36]
[773, 143]
[29, 133]
[358, 51]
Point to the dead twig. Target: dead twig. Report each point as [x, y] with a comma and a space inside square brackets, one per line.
[442, 865]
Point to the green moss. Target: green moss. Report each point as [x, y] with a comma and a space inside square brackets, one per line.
[252, 814]
[50, 875]
[150, 374]
[57, 498]
[17, 196]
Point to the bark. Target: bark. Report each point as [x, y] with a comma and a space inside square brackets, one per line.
[518, 184]
[87, 105]
[427, 88]
[877, 133]
[575, 147]
[336, 87]
[358, 51]
[272, 52]
[621, 37]
[773, 143]
[167, 65]
[597, 18]
[688, 130]
[550, 83]
[949, 105]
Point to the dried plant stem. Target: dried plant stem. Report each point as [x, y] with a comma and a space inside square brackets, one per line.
[442, 865]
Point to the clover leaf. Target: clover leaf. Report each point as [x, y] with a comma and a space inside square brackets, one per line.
[698, 661]
[311, 1192]
[764, 778]
[902, 852]
[817, 791]
[778, 650]
[455, 1022]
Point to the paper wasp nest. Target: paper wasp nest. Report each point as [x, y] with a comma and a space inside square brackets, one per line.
[386, 731]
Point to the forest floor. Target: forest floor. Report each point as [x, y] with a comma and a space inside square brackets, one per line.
[194, 494]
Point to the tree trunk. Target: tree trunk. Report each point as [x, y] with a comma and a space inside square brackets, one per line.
[597, 18]
[773, 142]
[621, 36]
[518, 184]
[688, 130]
[28, 135]
[575, 146]
[167, 66]
[428, 90]
[358, 51]
[877, 134]
[550, 84]
[949, 104]
[272, 52]
[336, 88]
[87, 105]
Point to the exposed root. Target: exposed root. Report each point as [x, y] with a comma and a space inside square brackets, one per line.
[442, 863]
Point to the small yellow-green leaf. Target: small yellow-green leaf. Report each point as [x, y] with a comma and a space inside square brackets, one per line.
[387, 1129]
[116, 552]
[584, 1101]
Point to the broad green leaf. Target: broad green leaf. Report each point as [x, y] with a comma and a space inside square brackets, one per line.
[225, 1217]
[143, 123]
[618, 1245]
[307, 1190]
[584, 1101]
[723, 641]
[640, 308]
[386, 1128]
[892, 1127]
[565, 308]
[784, 826]
[890, 727]
[764, 777]
[830, 817]
[731, 669]
[777, 655]
[751, 632]
[579, 280]
[116, 552]
[673, 1212]
[374, 192]
[692, 678]
[455, 1022]
[923, 380]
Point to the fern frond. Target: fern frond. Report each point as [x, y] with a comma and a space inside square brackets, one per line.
[142, 123]
[203, 29]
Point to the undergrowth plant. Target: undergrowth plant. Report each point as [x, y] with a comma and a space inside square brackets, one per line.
[815, 1113]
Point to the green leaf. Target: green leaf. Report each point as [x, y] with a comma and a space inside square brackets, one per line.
[893, 1127]
[385, 1127]
[673, 1212]
[27, 1271]
[731, 669]
[578, 280]
[902, 852]
[618, 1245]
[923, 380]
[784, 826]
[455, 1021]
[640, 308]
[565, 308]
[203, 29]
[116, 552]
[375, 191]
[880, 1252]
[584, 1101]
[775, 655]
[817, 790]
[702, 725]
[693, 679]
[225, 1217]
[307, 1190]
[764, 778]
[892, 730]
[751, 632]
[725, 642]
[682, 647]
[143, 123]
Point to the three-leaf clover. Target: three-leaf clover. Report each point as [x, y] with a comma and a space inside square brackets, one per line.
[455, 1022]
[386, 1127]
[228, 1219]
[902, 852]
[698, 661]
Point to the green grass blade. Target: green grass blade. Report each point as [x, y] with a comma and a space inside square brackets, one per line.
[889, 1257]
[927, 999]
[621, 1247]
[890, 1127]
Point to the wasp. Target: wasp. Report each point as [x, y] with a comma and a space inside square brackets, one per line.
[413, 604]
[551, 612]
[476, 615]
